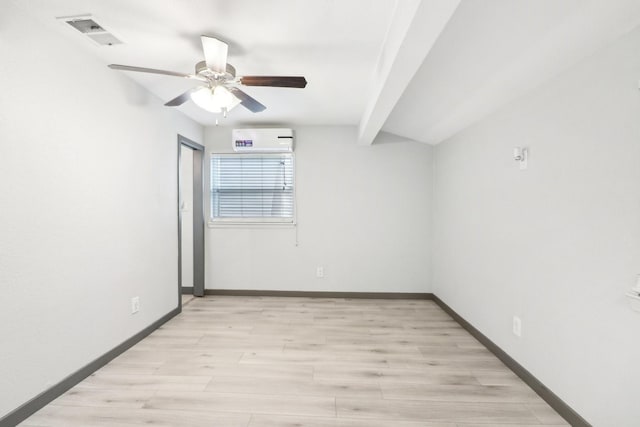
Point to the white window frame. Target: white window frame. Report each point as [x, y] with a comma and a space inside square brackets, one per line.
[246, 221]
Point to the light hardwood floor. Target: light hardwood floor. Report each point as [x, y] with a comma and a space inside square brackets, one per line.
[186, 299]
[267, 362]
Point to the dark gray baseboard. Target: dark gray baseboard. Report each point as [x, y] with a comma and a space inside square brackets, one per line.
[547, 395]
[320, 294]
[23, 412]
[186, 290]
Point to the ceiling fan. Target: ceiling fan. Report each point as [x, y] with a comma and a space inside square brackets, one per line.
[218, 92]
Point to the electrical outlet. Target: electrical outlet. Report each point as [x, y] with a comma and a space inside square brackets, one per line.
[135, 305]
[320, 272]
[517, 326]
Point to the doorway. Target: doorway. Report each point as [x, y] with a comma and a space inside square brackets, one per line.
[190, 218]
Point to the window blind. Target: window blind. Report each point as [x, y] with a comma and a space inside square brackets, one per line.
[252, 186]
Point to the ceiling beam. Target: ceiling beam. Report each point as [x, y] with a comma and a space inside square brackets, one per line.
[390, 138]
[414, 29]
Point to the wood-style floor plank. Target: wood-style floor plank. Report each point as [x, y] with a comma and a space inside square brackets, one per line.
[79, 396]
[425, 375]
[413, 410]
[460, 393]
[296, 387]
[303, 362]
[244, 403]
[293, 421]
[65, 416]
[107, 381]
[563, 424]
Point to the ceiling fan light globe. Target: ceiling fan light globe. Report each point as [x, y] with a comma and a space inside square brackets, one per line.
[203, 98]
[214, 100]
[222, 96]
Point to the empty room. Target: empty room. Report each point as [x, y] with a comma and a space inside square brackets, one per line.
[356, 213]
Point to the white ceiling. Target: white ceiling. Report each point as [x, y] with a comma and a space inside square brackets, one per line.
[421, 69]
[335, 44]
[493, 51]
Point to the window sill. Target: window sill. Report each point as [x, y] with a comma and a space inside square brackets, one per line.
[242, 224]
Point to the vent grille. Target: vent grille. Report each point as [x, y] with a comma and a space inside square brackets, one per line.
[86, 26]
[91, 29]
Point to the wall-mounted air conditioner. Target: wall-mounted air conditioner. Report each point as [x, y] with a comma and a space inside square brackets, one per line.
[263, 140]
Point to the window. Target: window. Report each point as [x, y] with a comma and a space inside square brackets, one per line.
[252, 188]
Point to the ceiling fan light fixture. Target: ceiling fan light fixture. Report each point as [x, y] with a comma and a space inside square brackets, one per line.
[221, 93]
[215, 100]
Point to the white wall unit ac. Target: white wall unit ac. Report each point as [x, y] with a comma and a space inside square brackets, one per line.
[263, 140]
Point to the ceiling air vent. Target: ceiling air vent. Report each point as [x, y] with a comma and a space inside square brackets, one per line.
[90, 28]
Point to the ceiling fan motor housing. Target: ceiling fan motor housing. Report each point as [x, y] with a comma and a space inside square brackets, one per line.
[204, 71]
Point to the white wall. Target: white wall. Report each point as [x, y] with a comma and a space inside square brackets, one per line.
[559, 243]
[363, 214]
[88, 215]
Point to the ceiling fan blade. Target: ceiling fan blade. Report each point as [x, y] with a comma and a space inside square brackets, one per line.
[154, 71]
[215, 53]
[181, 99]
[247, 101]
[274, 81]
